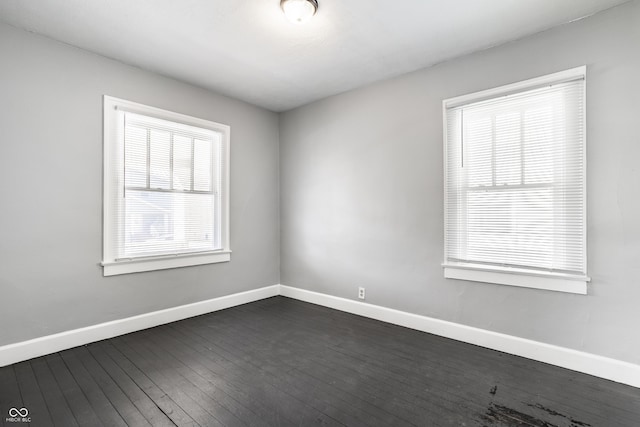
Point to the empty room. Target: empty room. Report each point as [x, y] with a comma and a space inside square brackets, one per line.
[320, 212]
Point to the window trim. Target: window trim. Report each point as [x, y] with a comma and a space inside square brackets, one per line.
[517, 277]
[111, 266]
[561, 282]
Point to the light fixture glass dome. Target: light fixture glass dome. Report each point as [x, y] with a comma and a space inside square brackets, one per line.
[299, 11]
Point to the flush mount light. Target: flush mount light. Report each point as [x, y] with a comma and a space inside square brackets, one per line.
[299, 11]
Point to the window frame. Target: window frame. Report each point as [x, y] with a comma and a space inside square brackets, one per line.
[113, 172]
[521, 277]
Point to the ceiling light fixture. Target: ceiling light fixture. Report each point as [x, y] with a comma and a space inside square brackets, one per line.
[299, 11]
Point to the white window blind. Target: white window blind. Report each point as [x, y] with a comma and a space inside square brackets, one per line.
[171, 194]
[515, 180]
[166, 182]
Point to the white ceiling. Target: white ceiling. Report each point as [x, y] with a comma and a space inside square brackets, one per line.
[246, 49]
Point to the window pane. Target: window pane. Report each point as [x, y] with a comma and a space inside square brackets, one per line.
[539, 150]
[157, 223]
[135, 156]
[478, 149]
[511, 227]
[203, 165]
[508, 148]
[181, 163]
[160, 159]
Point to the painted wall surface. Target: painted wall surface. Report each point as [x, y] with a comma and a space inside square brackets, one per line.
[51, 188]
[362, 191]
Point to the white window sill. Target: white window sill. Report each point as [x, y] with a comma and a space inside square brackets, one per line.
[113, 268]
[516, 277]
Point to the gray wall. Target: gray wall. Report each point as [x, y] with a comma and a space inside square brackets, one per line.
[51, 189]
[362, 191]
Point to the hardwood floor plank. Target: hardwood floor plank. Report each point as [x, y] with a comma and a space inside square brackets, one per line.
[220, 412]
[168, 383]
[287, 406]
[32, 395]
[146, 385]
[101, 405]
[228, 378]
[321, 392]
[288, 402]
[147, 407]
[310, 359]
[117, 399]
[219, 391]
[10, 396]
[72, 392]
[61, 413]
[348, 376]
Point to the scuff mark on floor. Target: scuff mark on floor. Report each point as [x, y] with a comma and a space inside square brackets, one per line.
[502, 414]
[574, 422]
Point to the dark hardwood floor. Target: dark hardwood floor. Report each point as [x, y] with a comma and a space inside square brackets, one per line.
[281, 362]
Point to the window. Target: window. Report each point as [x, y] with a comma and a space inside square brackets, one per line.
[515, 184]
[166, 180]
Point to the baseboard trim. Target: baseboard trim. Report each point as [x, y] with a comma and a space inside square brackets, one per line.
[599, 366]
[26, 350]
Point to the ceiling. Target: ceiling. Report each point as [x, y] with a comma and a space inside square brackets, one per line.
[248, 50]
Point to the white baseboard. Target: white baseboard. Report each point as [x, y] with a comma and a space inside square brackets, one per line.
[26, 350]
[599, 366]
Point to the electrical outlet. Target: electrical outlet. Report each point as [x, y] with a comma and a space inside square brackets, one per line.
[361, 292]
